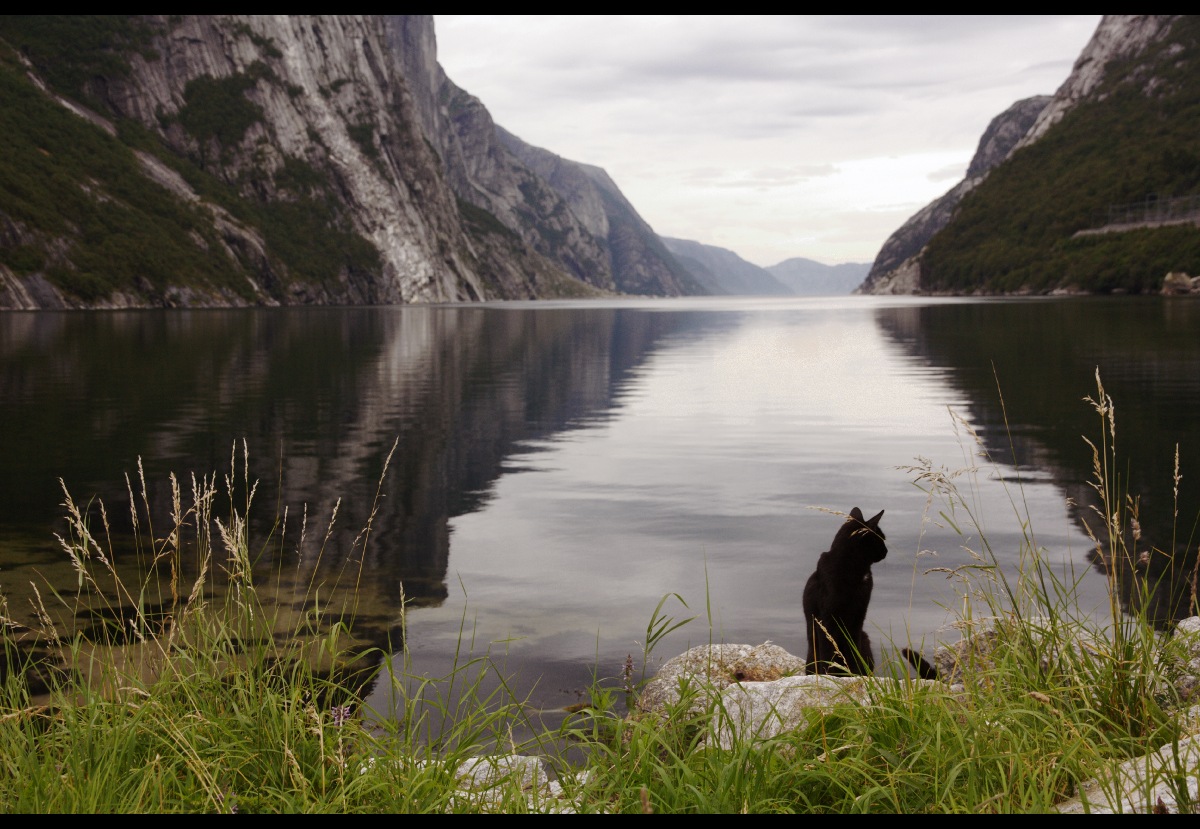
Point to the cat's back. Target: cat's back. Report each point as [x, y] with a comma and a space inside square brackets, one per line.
[817, 586]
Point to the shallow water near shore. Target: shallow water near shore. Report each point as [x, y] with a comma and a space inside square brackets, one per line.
[560, 467]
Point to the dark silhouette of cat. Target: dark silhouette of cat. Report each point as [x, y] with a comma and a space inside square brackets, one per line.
[836, 598]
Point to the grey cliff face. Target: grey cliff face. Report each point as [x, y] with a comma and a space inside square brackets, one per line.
[1118, 36]
[571, 214]
[631, 252]
[353, 114]
[484, 172]
[1004, 133]
[333, 73]
[480, 169]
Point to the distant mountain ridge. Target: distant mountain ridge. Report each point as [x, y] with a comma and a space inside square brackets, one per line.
[722, 271]
[571, 213]
[639, 262]
[809, 278]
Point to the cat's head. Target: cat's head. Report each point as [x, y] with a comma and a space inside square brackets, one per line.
[862, 536]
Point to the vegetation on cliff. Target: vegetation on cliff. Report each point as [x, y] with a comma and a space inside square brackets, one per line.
[82, 211]
[71, 51]
[1133, 139]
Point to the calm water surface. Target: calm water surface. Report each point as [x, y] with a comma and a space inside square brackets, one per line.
[560, 467]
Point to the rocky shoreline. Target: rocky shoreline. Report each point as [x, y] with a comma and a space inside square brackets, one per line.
[762, 692]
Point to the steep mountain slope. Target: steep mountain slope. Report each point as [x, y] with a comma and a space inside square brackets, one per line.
[636, 257]
[893, 270]
[481, 170]
[285, 147]
[572, 213]
[722, 271]
[1118, 140]
[214, 160]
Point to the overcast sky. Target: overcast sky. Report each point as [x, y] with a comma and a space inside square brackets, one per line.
[775, 137]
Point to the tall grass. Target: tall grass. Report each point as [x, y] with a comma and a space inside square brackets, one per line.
[184, 689]
[171, 688]
[184, 684]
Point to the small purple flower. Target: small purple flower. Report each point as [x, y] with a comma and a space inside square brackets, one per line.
[341, 715]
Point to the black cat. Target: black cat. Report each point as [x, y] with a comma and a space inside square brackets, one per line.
[837, 595]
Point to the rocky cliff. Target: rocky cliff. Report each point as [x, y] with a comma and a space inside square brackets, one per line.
[1118, 135]
[1118, 38]
[632, 253]
[215, 160]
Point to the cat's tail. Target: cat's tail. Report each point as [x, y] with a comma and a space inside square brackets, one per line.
[923, 668]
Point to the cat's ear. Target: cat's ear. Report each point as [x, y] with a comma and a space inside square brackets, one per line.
[874, 522]
[856, 514]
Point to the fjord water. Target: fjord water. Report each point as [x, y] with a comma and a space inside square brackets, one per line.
[560, 467]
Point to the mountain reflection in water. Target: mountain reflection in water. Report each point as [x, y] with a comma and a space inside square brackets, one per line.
[562, 466]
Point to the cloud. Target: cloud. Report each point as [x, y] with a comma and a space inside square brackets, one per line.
[951, 172]
[763, 177]
[820, 117]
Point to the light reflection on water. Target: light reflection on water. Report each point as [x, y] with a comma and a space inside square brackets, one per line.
[562, 466]
[712, 477]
